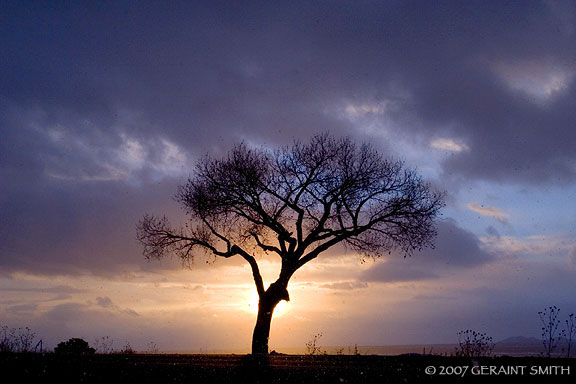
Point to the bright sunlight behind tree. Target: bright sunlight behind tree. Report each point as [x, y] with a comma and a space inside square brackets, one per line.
[295, 203]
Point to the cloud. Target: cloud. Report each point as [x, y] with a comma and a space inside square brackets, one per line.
[223, 76]
[128, 160]
[547, 245]
[67, 312]
[58, 289]
[427, 298]
[364, 109]
[495, 213]
[493, 232]
[78, 228]
[455, 249]
[104, 302]
[100, 119]
[448, 145]
[345, 285]
[392, 272]
[541, 81]
[22, 308]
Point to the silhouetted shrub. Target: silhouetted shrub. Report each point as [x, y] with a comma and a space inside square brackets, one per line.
[474, 344]
[550, 323]
[103, 345]
[17, 339]
[570, 333]
[74, 346]
[312, 347]
[127, 349]
[151, 347]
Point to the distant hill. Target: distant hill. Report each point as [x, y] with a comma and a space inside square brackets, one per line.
[519, 346]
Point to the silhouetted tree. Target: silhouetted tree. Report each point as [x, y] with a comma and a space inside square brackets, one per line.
[74, 346]
[296, 203]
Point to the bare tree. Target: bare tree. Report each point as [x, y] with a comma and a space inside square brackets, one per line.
[296, 203]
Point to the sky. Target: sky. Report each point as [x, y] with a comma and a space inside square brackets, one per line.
[106, 106]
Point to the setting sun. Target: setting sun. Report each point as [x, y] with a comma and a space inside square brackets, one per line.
[280, 309]
[220, 177]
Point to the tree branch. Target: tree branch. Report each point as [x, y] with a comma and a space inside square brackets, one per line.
[255, 270]
[265, 247]
[298, 202]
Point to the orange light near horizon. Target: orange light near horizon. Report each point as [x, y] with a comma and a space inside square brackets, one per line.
[280, 309]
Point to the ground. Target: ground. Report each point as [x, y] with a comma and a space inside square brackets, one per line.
[137, 368]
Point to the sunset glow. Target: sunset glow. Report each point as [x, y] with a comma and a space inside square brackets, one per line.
[105, 110]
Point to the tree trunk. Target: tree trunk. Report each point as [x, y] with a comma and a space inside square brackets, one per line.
[262, 328]
[266, 305]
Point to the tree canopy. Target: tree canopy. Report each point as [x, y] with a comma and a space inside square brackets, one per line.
[297, 202]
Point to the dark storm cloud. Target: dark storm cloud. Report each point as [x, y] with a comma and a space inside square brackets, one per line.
[215, 72]
[455, 249]
[62, 227]
[92, 96]
[393, 272]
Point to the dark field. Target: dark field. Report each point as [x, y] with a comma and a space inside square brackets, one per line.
[44, 368]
